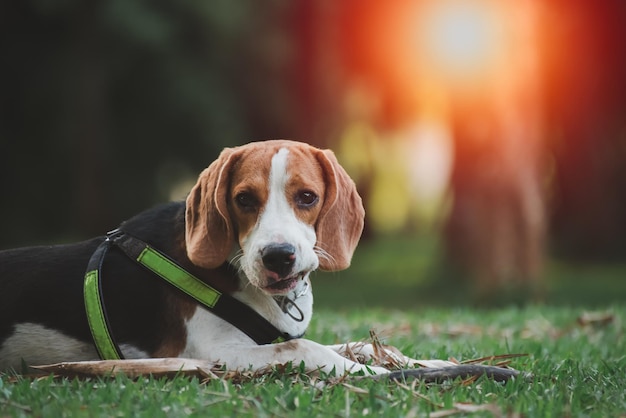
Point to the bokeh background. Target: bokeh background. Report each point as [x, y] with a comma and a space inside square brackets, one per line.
[487, 137]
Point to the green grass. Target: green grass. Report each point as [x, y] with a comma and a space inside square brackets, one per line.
[578, 369]
[395, 288]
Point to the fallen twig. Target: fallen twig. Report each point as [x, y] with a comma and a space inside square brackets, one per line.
[157, 367]
[463, 371]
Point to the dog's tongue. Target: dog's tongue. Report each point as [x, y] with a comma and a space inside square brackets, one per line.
[282, 284]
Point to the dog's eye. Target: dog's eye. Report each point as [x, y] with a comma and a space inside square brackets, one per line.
[246, 200]
[306, 198]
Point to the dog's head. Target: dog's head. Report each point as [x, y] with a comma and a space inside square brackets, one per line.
[290, 207]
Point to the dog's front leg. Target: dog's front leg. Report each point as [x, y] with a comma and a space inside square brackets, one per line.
[314, 356]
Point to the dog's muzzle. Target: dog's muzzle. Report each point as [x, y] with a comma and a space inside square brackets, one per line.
[279, 261]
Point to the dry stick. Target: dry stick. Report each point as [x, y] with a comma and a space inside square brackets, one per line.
[157, 367]
[463, 371]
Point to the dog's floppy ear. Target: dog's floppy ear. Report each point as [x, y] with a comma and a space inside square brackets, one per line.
[340, 222]
[209, 234]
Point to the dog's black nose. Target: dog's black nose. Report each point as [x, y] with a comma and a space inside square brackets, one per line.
[279, 258]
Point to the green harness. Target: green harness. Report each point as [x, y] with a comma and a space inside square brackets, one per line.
[223, 305]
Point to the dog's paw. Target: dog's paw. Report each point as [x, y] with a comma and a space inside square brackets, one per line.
[375, 354]
[386, 356]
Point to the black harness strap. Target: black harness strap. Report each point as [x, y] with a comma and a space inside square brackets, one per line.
[221, 304]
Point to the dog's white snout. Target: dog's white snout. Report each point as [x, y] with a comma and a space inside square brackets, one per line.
[279, 258]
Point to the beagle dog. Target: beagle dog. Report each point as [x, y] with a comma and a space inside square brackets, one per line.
[260, 219]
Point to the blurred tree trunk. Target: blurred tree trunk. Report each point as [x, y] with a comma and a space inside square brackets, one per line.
[587, 88]
[496, 228]
[88, 134]
[315, 76]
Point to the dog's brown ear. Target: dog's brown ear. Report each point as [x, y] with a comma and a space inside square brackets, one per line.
[342, 216]
[209, 234]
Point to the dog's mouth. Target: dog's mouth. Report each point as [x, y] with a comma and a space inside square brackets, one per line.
[284, 285]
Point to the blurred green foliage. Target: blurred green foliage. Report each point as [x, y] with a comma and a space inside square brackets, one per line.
[409, 272]
[105, 105]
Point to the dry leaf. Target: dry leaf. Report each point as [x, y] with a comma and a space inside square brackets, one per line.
[595, 318]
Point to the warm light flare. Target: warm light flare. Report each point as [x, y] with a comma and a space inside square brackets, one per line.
[462, 38]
